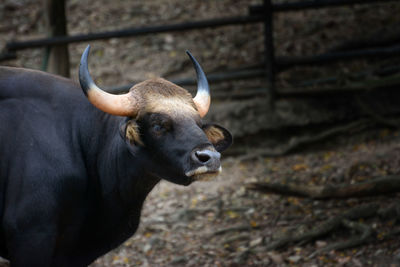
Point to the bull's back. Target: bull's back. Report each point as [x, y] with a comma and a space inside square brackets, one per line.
[23, 83]
[37, 110]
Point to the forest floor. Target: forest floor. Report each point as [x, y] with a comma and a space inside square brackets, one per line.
[220, 222]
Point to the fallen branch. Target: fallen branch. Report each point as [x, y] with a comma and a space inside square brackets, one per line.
[237, 228]
[306, 237]
[355, 241]
[378, 186]
[391, 211]
[363, 211]
[380, 119]
[295, 142]
[231, 239]
[391, 234]
[245, 227]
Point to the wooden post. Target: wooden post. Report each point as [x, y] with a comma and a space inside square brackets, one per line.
[57, 57]
[269, 51]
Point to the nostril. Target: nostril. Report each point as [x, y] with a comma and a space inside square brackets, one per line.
[202, 156]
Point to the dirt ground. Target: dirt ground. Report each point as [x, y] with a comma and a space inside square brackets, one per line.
[220, 222]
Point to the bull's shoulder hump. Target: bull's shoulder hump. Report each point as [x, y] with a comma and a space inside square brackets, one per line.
[22, 83]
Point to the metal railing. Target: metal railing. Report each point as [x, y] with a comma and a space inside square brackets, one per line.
[256, 14]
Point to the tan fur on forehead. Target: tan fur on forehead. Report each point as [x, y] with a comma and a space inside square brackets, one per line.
[214, 134]
[160, 95]
[161, 87]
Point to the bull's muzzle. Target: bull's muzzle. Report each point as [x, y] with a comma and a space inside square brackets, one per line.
[207, 163]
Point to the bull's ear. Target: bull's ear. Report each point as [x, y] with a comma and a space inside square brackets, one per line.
[129, 131]
[220, 137]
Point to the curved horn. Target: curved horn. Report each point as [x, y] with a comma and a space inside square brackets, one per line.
[120, 105]
[202, 98]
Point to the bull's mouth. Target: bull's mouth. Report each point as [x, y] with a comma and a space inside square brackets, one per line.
[203, 173]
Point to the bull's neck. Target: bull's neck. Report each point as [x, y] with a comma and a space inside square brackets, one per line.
[122, 175]
[117, 183]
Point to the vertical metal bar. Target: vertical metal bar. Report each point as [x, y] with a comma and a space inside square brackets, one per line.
[269, 51]
[57, 56]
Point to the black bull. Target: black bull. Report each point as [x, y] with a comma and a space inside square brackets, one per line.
[73, 178]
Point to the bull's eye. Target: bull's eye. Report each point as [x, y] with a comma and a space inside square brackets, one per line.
[160, 124]
[158, 128]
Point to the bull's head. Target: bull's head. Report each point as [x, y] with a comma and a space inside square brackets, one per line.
[164, 122]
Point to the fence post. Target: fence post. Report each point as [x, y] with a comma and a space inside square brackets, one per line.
[57, 57]
[269, 51]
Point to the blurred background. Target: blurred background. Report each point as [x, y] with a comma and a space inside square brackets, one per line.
[309, 90]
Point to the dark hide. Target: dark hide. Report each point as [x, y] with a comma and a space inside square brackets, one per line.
[72, 178]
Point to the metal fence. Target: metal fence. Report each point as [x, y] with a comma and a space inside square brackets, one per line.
[256, 14]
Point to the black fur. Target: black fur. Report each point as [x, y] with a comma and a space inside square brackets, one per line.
[71, 189]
